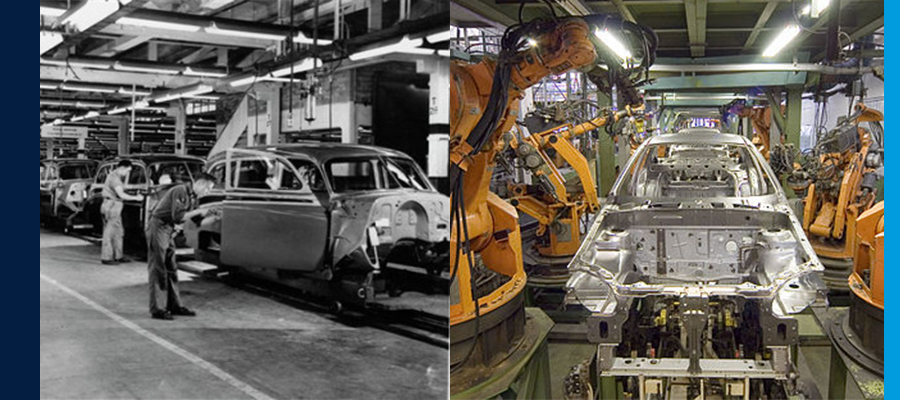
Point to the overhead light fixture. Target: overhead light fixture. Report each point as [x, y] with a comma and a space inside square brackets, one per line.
[303, 39]
[52, 12]
[783, 39]
[79, 63]
[137, 92]
[92, 114]
[444, 53]
[90, 13]
[128, 67]
[244, 81]
[419, 51]
[47, 86]
[49, 40]
[405, 44]
[613, 43]
[117, 111]
[149, 23]
[818, 7]
[307, 64]
[189, 91]
[204, 73]
[216, 30]
[532, 43]
[201, 97]
[439, 37]
[78, 118]
[84, 88]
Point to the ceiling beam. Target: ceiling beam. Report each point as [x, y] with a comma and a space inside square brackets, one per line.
[575, 7]
[192, 37]
[117, 46]
[760, 24]
[484, 9]
[696, 13]
[823, 21]
[623, 10]
[87, 75]
[865, 30]
[198, 55]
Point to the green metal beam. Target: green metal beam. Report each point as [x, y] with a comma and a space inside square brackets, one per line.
[793, 118]
[760, 24]
[727, 82]
[606, 155]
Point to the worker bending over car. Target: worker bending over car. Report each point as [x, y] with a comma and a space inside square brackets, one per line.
[177, 205]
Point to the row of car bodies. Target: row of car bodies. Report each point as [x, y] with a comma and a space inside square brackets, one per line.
[326, 218]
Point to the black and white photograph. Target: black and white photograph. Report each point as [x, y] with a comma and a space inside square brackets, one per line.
[244, 199]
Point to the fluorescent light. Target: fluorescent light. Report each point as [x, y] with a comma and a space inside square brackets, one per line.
[78, 118]
[47, 86]
[405, 44]
[782, 40]
[185, 92]
[418, 51]
[149, 70]
[204, 73]
[444, 53]
[49, 40]
[215, 30]
[129, 92]
[117, 111]
[439, 37]
[613, 43]
[149, 23]
[76, 63]
[204, 97]
[52, 12]
[819, 6]
[90, 13]
[303, 39]
[89, 89]
[92, 114]
[308, 64]
[244, 81]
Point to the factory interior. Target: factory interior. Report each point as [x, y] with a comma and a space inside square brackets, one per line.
[322, 273]
[668, 199]
[462, 199]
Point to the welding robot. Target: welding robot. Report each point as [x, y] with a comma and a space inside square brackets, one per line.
[491, 333]
[839, 182]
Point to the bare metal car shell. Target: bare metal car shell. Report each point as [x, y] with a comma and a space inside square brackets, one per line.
[286, 236]
[600, 266]
[61, 198]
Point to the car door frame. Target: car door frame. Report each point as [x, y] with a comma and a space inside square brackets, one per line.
[279, 255]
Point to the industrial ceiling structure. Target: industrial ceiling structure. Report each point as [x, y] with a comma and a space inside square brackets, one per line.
[104, 60]
[691, 28]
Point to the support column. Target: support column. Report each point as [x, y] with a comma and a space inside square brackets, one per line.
[606, 154]
[793, 117]
[51, 149]
[624, 144]
[274, 116]
[376, 15]
[178, 111]
[82, 148]
[439, 120]
[124, 136]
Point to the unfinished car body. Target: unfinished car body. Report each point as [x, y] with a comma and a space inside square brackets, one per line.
[692, 270]
[146, 173]
[64, 184]
[336, 221]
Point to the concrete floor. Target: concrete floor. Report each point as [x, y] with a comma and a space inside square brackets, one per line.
[98, 342]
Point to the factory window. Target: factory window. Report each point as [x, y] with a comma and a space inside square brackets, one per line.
[354, 175]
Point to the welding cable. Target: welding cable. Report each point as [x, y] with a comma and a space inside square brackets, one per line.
[461, 215]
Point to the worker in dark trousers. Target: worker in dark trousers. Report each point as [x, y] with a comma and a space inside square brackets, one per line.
[177, 205]
[114, 198]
